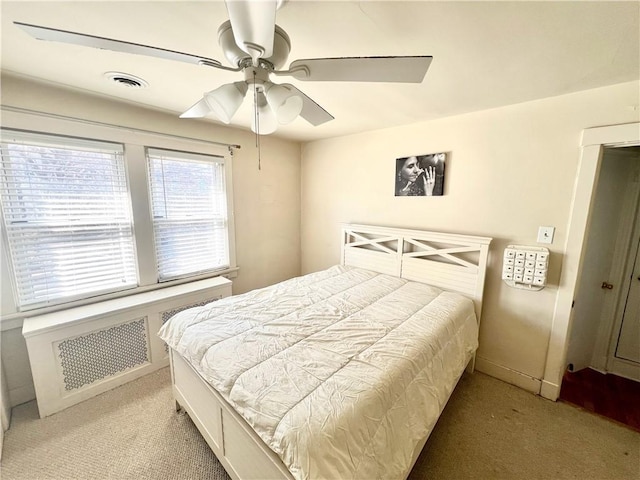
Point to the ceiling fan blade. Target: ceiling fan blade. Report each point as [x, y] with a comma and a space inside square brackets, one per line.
[64, 36]
[311, 111]
[361, 69]
[253, 23]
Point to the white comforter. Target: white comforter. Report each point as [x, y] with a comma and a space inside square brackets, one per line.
[340, 372]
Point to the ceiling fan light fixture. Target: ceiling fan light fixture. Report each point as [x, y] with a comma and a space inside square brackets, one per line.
[284, 102]
[264, 120]
[225, 101]
[197, 110]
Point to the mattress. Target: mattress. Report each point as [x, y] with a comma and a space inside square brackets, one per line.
[341, 372]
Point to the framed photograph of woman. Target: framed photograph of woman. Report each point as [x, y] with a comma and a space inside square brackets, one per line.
[420, 175]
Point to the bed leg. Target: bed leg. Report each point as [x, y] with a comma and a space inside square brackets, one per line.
[179, 408]
[471, 366]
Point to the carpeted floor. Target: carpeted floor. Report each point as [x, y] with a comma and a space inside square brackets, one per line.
[489, 430]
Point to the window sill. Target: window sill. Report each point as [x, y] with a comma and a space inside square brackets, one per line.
[15, 320]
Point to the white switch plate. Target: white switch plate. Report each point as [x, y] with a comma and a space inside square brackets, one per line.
[545, 234]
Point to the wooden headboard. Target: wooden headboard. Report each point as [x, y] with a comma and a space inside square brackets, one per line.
[450, 261]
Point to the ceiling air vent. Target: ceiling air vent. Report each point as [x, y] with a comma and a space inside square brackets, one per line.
[126, 80]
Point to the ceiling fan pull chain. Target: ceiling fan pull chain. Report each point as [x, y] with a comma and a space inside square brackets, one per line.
[256, 114]
[259, 159]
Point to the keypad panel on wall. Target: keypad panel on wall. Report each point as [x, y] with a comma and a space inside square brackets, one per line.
[525, 267]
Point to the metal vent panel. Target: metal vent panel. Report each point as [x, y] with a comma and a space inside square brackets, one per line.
[89, 358]
[170, 313]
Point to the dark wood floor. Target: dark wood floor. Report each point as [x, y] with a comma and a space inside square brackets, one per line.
[607, 395]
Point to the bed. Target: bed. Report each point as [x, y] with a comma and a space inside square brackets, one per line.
[340, 373]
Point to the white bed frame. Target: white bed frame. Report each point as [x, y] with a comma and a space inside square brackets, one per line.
[450, 261]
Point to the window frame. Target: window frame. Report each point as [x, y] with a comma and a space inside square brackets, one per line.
[63, 143]
[135, 142]
[155, 154]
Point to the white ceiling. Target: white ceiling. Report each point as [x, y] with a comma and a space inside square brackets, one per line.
[485, 54]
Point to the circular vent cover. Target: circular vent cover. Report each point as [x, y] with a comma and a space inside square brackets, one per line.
[126, 80]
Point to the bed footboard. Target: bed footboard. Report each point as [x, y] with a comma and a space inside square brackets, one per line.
[240, 451]
[238, 448]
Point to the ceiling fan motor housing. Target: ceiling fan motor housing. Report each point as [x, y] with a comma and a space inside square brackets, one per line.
[237, 56]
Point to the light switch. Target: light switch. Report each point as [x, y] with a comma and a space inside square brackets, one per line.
[545, 234]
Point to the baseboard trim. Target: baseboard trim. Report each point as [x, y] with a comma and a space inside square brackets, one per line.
[20, 395]
[549, 390]
[508, 375]
[624, 368]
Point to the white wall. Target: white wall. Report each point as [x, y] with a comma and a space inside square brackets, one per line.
[509, 170]
[266, 201]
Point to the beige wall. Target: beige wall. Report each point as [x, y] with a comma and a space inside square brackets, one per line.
[509, 171]
[266, 201]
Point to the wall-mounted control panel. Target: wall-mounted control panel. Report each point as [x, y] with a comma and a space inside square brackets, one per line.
[525, 267]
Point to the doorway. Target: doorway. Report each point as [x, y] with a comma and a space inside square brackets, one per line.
[593, 143]
[604, 321]
[603, 356]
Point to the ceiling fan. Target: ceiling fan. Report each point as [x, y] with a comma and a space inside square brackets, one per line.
[257, 47]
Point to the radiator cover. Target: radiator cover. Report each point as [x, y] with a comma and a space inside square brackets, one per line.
[89, 358]
[81, 352]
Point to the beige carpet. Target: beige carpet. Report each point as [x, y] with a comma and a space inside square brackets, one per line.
[489, 430]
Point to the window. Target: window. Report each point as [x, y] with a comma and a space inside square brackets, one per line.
[189, 206]
[67, 217]
[84, 220]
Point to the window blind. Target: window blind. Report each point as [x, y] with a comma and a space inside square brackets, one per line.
[189, 207]
[65, 208]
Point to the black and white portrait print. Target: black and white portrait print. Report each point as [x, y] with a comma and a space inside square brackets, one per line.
[420, 175]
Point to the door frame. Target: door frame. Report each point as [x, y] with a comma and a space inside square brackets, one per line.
[594, 140]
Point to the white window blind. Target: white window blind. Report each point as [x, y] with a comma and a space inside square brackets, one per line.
[66, 212]
[189, 206]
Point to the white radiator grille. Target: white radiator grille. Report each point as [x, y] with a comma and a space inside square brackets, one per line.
[170, 313]
[89, 358]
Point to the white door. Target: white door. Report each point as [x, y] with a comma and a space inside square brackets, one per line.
[628, 347]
